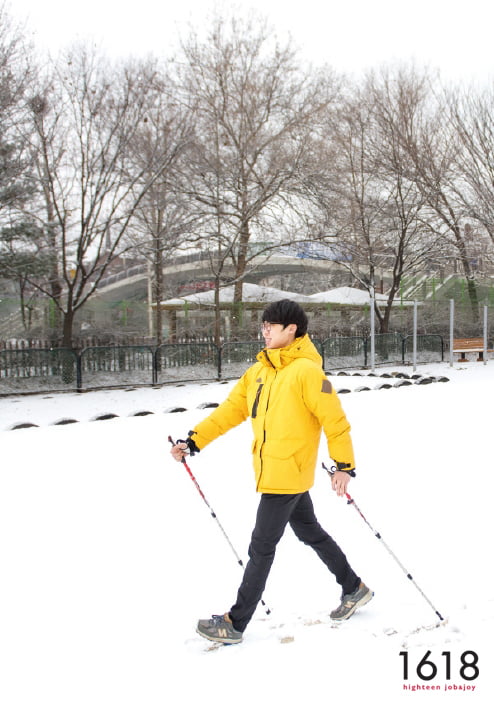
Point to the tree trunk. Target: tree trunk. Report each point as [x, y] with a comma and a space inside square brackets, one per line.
[68, 324]
[22, 295]
[217, 312]
[158, 285]
[239, 276]
[469, 276]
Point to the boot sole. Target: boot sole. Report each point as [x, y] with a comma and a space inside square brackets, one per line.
[220, 640]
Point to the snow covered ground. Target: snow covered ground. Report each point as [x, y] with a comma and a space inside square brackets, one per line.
[109, 556]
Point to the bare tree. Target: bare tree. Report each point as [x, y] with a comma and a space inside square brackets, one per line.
[163, 220]
[372, 210]
[434, 150]
[472, 115]
[256, 110]
[86, 119]
[399, 97]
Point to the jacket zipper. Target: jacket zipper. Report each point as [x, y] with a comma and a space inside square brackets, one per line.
[256, 401]
[264, 429]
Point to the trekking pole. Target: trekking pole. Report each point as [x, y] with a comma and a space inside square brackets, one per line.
[196, 483]
[379, 537]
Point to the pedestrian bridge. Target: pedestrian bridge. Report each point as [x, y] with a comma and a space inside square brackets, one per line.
[133, 283]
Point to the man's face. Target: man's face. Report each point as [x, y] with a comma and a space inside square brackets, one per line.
[276, 336]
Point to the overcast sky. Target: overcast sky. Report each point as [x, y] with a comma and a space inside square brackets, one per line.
[352, 35]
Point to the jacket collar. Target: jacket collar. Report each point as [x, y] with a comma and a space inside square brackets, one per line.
[302, 347]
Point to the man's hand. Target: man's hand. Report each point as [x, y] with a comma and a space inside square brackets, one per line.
[179, 451]
[339, 482]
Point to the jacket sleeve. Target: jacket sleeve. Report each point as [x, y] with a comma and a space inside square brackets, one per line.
[322, 400]
[226, 416]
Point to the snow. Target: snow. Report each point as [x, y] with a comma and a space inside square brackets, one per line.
[347, 296]
[250, 293]
[109, 555]
[260, 293]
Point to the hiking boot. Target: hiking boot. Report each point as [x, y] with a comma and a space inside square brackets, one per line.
[349, 603]
[219, 629]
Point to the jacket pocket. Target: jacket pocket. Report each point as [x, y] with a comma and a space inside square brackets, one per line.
[282, 449]
[280, 468]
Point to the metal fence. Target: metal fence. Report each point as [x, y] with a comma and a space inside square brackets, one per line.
[37, 370]
[236, 356]
[186, 362]
[102, 367]
[430, 347]
[344, 352]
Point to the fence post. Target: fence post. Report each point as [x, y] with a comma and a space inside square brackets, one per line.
[485, 334]
[451, 329]
[219, 349]
[372, 333]
[78, 369]
[154, 377]
[414, 335]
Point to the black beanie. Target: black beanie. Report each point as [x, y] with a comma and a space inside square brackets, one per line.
[286, 312]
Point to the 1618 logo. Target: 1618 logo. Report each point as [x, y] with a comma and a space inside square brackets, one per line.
[427, 670]
[446, 667]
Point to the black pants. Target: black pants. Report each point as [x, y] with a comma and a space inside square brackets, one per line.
[273, 514]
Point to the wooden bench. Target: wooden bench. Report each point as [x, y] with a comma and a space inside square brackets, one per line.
[469, 345]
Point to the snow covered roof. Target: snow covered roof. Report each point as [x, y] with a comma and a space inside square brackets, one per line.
[259, 294]
[346, 296]
[250, 293]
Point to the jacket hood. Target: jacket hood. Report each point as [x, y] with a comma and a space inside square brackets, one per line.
[300, 348]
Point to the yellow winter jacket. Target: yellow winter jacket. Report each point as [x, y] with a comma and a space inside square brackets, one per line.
[289, 400]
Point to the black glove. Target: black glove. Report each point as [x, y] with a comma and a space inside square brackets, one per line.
[191, 446]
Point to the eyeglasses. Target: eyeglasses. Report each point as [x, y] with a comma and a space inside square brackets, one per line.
[266, 326]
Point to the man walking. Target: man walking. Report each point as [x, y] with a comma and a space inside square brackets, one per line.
[289, 400]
